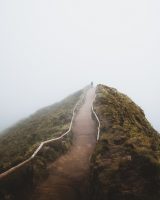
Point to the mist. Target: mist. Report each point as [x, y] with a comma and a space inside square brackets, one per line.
[50, 49]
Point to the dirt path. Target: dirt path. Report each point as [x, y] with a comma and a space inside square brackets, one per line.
[68, 175]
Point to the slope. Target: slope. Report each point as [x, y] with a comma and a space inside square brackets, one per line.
[18, 142]
[126, 161]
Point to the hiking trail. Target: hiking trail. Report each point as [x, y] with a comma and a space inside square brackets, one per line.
[68, 175]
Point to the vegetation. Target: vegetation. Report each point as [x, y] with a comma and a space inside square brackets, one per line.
[19, 142]
[126, 161]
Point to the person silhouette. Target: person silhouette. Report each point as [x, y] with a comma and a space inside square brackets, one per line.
[92, 84]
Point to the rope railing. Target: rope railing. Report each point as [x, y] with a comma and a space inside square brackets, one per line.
[12, 169]
[95, 114]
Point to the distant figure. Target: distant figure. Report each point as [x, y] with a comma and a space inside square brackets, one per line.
[91, 84]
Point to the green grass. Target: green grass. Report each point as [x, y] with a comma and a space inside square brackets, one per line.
[126, 162]
[19, 142]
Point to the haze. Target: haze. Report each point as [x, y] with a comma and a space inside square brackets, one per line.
[49, 49]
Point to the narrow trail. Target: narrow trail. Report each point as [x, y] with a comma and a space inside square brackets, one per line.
[68, 175]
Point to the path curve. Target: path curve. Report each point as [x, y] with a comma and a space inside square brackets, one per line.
[68, 175]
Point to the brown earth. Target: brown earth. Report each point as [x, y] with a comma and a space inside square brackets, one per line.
[68, 176]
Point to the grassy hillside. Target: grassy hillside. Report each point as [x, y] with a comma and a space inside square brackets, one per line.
[19, 142]
[126, 161]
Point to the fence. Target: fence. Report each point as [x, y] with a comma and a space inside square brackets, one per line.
[97, 119]
[11, 170]
[80, 101]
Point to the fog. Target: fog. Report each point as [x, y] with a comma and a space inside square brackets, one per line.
[50, 49]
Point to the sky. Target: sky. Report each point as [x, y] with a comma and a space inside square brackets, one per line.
[50, 49]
